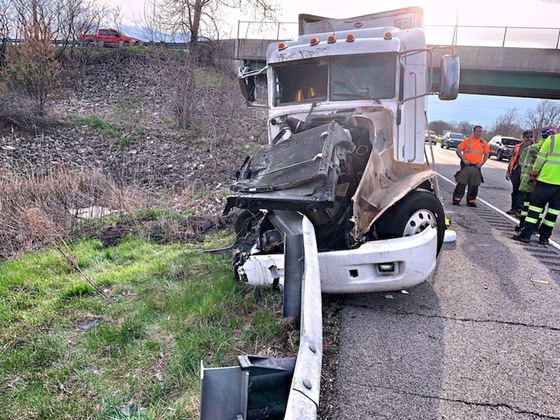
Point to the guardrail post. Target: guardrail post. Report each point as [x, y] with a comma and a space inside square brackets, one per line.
[293, 272]
[290, 224]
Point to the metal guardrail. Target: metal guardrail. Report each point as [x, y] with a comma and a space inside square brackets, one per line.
[62, 42]
[493, 36]
[303, 401]
[453, 35]
[259, 385]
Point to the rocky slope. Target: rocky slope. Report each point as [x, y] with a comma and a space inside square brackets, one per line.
[133, 98]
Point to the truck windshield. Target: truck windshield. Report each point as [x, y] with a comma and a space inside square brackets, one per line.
[339, 78]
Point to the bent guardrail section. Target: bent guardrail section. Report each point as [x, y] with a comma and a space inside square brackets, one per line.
[303, 401]
[263, 386]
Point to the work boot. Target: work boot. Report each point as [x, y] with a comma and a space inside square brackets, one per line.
[456, 199]
[518, 228]
[511, 211]
[543, 240]
[521, 239]
[472, 204]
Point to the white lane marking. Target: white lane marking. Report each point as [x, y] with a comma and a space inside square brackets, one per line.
[513, 219]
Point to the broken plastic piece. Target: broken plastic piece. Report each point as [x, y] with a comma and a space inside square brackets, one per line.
[540, 281]
[449, 236]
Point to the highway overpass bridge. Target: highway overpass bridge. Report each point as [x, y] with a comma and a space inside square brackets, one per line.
[500, 71]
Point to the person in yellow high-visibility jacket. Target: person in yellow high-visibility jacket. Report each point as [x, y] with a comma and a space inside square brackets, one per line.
[546, 175]
[513, 172]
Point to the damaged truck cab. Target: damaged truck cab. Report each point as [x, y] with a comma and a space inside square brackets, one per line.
[346, 149]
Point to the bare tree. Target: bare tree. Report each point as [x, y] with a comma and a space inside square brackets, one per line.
[61, 20]
[546, 113]
[4, 30]
[507, 124]
[76, 17]
[200, 18]
[440, 126]
[464, 127]
[33, 68]
[195, 20]
[115, 16]
[153, 28]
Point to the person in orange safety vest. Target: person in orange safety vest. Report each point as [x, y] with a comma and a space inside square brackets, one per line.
[473, 152]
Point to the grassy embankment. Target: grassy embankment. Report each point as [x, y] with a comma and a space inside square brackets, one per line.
[115, 332]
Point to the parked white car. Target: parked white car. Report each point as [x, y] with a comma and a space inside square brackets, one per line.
[430, 136]
[502, 146]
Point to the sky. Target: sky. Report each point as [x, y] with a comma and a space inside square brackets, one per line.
[478, 109]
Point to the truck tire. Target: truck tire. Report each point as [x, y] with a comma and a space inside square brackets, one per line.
[242, 222]
[412, 215]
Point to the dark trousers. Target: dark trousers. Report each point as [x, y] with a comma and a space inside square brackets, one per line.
[526, 199]
[468, 175]
[459, 192]
[542, 195]
[516, 200]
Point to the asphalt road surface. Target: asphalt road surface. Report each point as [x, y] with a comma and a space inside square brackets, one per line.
[480, 339]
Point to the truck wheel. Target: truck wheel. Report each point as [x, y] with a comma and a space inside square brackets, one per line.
[243, 221]
[412, 215]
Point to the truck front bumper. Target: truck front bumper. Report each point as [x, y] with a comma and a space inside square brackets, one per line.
[377, 266]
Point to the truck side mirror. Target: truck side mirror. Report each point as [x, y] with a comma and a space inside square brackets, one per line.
[449, 70]
[247, 85]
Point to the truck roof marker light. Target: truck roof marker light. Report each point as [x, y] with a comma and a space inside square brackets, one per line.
[282, 46]
[350, 38]
[331, 39]
[388, 35]
[313, 41]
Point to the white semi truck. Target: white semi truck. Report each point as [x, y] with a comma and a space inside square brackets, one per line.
[346, 149]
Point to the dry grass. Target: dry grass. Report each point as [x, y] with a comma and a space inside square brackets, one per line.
[34, 208]
[48, 209]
